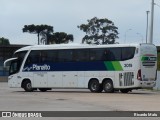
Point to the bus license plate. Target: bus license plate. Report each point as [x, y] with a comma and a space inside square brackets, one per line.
[148, 83]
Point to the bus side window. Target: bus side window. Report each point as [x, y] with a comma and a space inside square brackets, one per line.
[65, 55]
[81, 55]
[92, 56]
[128, 53]
[112, 54]
[44, 57]
[75, 56]
[34, 57]
[96, 54]
[104, 55]
[52, 56]
[108, 55]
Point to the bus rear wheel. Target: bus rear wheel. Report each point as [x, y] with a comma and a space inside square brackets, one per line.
[108, 86]
[27, 85]
[94, 86]
[100, 88]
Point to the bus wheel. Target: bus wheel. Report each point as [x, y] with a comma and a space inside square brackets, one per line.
[125, 90]
[100, 88]
[27, 86]
[43, 89]
[94, 86]
[108, 86]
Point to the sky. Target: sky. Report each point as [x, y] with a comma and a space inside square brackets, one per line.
[65, 15]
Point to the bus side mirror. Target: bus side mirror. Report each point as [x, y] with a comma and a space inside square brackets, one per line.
[8, 62]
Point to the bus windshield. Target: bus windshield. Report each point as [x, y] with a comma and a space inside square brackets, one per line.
[14, 66]
[20, 54]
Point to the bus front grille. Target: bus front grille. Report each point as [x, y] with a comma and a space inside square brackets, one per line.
[128, 79]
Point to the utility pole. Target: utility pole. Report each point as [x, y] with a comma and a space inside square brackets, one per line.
[151, 24]
[147, 27]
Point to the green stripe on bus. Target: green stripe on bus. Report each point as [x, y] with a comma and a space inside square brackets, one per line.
[144, 58]
[109, 66]
[117, 65]
[113, 66]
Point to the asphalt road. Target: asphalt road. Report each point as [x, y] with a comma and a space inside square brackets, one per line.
[15, 99]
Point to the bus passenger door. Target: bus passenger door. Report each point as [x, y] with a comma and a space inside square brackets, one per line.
[40, 79]
[70, 79]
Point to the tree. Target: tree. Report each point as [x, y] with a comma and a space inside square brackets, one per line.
[99, 31]
[60, 37]
[38, 29]
[4, 41]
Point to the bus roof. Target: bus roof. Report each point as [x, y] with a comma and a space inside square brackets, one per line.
[73, 46]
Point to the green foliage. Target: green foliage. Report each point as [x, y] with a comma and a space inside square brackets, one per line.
[60, 37]
[38, 29]
[99, 31]
[4, 41]
[46, 35]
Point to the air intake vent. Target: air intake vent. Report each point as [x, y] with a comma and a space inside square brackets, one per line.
[128, 79]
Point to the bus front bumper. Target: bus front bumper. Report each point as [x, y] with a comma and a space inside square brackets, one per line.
[13, 84]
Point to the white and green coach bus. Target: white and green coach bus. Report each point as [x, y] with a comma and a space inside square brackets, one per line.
[96, 67]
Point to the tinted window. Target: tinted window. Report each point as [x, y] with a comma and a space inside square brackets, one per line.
[81, 55]
[128, 53]
[112, 54]
[96, 54]
[20, 55]
[44, 56]
[65, 55]
[52, 55]
[34, 57]
[14, 67]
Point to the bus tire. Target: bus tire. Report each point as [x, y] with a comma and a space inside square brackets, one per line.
[108, 86]
[94, 86]
[27, 85]
[100, 88]
[125, 90]
[43, 89]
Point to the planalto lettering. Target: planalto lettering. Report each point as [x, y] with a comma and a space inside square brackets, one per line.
[41, 67]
